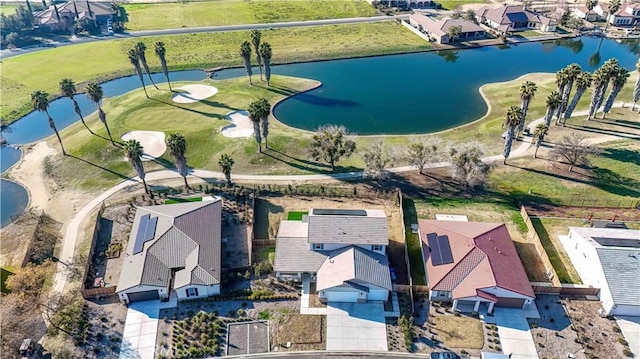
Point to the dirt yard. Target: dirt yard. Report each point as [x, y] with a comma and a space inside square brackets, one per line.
[305, 332]
[33, 229]
[552, 333]
[600, 337]
[269, 211]
[106, 318]
[236, 233]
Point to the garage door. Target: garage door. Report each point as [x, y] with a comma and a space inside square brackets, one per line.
[146, 295]
[510, 302]
[350, 297]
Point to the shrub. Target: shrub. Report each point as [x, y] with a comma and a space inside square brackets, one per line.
[627, 353]
[622, 341]
[616, 329]
[498, 348]
[240, 312]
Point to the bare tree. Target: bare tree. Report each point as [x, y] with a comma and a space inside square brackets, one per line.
[376, 157]
[574, 150]
[467, 165]
[424, 152]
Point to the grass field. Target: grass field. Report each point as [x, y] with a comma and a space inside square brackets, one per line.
[235, 12]
[8, 9]
[20, 76]
[296, 215]
[548, 230]
[451, 4]
[414, 246]
[182, 200]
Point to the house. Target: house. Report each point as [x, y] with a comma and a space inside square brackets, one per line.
[609, 259]
[70, 11]
[627, 15]
[583, 12]
[510, 18]
[410, 3]
[173, 248]
[439, 29]
[473, 264]
[342, 250]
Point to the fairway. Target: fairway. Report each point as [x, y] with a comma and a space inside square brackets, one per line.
[235, 12]
[20, 76]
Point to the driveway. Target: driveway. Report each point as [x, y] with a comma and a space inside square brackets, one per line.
[140, 330]
[630, 327]
[354, 326]
[514, 332]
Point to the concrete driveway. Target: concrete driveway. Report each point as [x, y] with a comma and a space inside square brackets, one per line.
[354, 326]
[630, 327]
[140, 330]
[514, 332]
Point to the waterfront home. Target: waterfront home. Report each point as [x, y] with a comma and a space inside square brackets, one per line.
[513, 18]
[342, 250]
[439, 29]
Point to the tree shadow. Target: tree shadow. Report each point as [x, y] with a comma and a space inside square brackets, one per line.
[603, 131]
[294, 163]
[622, 155]
[312, 163]
[279, 89]
[218, 104]
[324, 101]
[120, 175]
[619, 122]
[206, 114]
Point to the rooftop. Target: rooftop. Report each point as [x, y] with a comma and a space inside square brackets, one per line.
[352, 266]
[341, 226]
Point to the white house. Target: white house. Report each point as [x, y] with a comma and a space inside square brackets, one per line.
[609, 259]
[473, 264]
[626, 15]
[173, 247]
[583, 12]
[342, 250]
[512, 18]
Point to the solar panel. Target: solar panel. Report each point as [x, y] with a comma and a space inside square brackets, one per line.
[340, 212]
[146, 232]
[445, 249]
[617, 242]
[434, 249]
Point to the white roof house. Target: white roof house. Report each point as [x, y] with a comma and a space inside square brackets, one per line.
[343, 250]
[608, 259]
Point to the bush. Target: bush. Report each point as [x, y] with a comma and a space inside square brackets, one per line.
[622, 341]
[240, 312]
[627, 353]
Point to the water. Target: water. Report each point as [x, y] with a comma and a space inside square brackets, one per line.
[397, 94]
[13, 201]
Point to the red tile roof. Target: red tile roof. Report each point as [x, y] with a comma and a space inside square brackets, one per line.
[484, 256]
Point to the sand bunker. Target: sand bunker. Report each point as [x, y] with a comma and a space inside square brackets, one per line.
[194, 93]
[151, 141]
[240, 126]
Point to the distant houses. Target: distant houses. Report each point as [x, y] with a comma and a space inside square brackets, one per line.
[61, 17]
[627, 14]
[439, 29]
[513, 18]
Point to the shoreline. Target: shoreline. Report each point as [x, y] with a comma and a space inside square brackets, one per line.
[206, 71]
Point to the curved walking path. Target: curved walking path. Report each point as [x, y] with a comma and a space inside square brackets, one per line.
[7, 53]
[71, 235]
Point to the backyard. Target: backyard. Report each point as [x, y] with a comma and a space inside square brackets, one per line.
[548, 230]
[236, 12]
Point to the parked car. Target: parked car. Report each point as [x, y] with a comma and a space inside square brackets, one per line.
[444, 355]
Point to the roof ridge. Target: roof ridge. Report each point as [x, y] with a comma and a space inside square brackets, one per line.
[460, 263]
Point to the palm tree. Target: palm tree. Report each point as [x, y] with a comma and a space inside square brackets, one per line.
[226, 162]
[590, 4]
[140, 51]
[454, 32]
[264, 120]
[538, 136]
[160, 52]
[553, 102]
[618, 79]
[95, 94]
[527, 93]
[512, 118]
[68, 89]
[614, 5]
[133, 58]
[562, 79]
[597, 81]
[133, 151]
[256, 36]
[572, 71]
[245, 53]
[607, 70]
[265, 53]
[177, 147]
[40, 102]
[636, 89]
[583, 81]
[256, 110]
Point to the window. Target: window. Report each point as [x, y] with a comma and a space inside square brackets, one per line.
[376, 247]
[318, 246]
[192, 292]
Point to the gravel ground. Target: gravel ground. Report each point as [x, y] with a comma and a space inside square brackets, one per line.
[552, 333]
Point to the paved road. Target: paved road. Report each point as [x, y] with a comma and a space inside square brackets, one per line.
[5, 54]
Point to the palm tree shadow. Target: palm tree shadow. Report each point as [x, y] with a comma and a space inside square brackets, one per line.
[295, 164]
[120, 175]
[307, 162]
[281, 90]
[619, 122]
[206, 114]
[604, 131]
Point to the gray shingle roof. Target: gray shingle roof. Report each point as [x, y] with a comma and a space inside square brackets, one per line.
[295, 255]
[621, 267]
[187, 236]
[356, 265]
[345, 229]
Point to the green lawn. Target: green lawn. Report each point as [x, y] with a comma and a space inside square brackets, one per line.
[4, 274]
[451, 4]
[235, 12]
[8, 9]
[182, 200]
[548, 230]
[414, 247]
[20, 76]
[296, 215]
[261, 254]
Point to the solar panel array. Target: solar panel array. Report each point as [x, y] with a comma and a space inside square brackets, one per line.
[340, 212]
[440, 249]
[146, 232]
